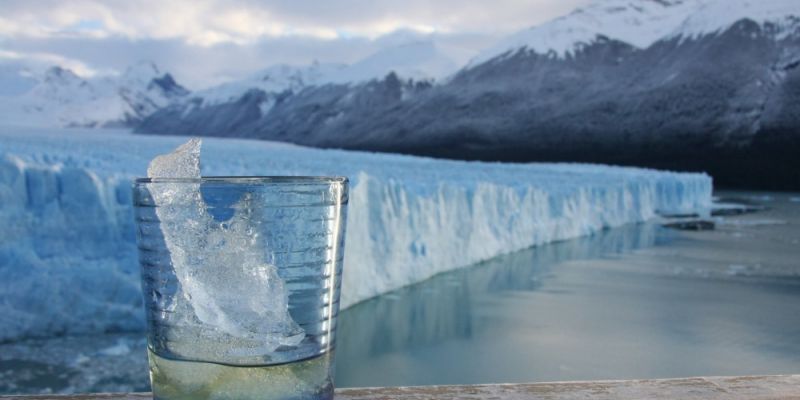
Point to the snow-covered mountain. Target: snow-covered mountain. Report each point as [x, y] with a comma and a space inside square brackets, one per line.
[416, 60]
[683, 84]
[780, 18]
[61, 98]
[406, 67]
[274, 80]
[639, 23]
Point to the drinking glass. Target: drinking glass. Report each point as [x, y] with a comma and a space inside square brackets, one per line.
[241, 280]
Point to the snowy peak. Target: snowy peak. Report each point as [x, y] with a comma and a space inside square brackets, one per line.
[60, 85]
[782, 17]
[62, 98]
[146, 77]
[636, 22]
[286, 77]
[420, 60]
[641, 23]
[144, 71]
[166, 84]
[275, 79]
[60, 76]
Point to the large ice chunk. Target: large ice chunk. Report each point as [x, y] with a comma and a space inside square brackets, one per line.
[223, 276]
[184, 162]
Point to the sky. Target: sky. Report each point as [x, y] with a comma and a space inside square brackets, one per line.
[206, 42]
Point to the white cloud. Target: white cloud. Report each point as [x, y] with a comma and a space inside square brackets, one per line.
[205, 41]
[39, 60]
[209, 22]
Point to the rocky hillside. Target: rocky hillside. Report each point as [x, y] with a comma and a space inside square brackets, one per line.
[708, 85]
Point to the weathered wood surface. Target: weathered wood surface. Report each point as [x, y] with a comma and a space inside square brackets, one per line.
[749, 387]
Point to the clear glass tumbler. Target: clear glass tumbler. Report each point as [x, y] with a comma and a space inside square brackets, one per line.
[241, 280]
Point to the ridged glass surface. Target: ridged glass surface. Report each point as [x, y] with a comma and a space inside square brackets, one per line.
[296, 226]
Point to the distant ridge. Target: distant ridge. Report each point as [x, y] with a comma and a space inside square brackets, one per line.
[710, 85]
[59, 97]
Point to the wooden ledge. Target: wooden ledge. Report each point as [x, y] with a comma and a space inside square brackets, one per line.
[781, 387]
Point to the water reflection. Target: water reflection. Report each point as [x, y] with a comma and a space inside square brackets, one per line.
[443, 308]
[635, 302]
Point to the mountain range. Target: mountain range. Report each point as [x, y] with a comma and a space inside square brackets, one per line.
[710, 85]
[59, 97]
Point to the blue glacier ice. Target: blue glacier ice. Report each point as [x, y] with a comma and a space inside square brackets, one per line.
[67, 244]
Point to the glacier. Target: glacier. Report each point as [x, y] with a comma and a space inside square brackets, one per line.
[67, 243]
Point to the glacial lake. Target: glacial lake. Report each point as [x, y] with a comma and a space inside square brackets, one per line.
[640, 301]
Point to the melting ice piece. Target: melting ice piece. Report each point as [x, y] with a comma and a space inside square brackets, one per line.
[183, 162]
[221, 269]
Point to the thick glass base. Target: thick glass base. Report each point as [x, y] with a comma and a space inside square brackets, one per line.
[193, 380]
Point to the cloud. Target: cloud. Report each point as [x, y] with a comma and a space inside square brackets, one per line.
[208, 41]
[202, 66]
[43, 60]
[209, 22]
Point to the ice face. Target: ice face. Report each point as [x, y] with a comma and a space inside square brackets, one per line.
[234, 296]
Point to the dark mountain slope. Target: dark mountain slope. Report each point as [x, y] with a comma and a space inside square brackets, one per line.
[724, 103]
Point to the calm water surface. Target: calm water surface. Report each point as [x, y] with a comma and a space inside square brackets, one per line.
[634, 302]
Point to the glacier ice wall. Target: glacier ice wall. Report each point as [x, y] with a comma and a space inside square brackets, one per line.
[67, 243]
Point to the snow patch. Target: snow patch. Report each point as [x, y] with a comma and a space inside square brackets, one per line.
[639, 23]
[712, 17]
